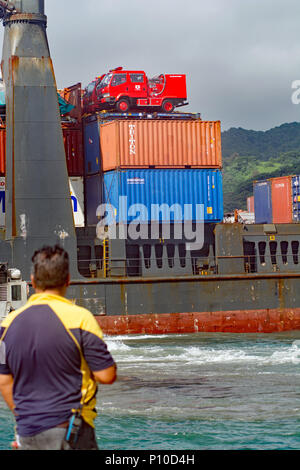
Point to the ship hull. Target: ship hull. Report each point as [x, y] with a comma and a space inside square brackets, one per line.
[239, 321]
[232, 303]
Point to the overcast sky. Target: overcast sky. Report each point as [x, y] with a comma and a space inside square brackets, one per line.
[240, 56]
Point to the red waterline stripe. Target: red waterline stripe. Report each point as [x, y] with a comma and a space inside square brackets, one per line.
[237, 321]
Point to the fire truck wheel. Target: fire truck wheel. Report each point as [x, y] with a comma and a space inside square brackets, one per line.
[168, 106]
[122, 105]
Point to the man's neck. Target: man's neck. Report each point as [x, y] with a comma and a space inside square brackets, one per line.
[61, 292]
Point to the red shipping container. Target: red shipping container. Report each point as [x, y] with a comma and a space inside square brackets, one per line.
[250, 204]
[73, 141]
[160, 144]
[282, 206]
[73, 146]
[2, 150]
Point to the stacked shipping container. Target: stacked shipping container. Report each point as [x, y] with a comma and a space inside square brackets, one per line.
[171, 195]
[160, 144]
[262, 202]
[172, 161]
[277, 200]
[153, 162]
[73, 142]
[148, 161]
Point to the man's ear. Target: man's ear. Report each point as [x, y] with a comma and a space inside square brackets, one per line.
[33, 281]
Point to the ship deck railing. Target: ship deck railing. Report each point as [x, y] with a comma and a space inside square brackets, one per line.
[189, 265]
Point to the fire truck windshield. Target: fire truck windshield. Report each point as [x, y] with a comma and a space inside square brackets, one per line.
[105, 80]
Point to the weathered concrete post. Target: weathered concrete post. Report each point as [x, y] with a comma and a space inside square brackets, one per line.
[38, 202]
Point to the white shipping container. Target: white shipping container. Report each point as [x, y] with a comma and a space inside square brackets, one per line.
[77, 197]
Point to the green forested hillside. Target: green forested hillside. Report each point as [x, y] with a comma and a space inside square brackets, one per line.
[255, 155]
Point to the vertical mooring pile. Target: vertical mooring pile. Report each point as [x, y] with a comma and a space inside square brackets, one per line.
[38, 203]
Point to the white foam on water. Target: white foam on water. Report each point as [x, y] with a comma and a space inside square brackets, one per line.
[202, 355]
[284, 355]
[142, 411]
[134, 337]
[287, 355]
[117, 346]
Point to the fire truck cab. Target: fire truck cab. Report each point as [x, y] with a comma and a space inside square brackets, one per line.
[126, 90]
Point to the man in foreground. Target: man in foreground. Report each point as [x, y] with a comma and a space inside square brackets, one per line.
[51, 357]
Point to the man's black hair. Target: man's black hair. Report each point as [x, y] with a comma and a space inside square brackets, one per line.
[50, 267]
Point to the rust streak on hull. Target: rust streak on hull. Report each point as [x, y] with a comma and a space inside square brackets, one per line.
[240, 321]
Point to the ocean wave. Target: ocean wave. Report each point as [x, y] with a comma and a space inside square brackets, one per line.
[134, 337]
[117, 346]
[199, 355]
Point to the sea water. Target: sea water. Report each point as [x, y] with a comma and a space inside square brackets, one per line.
[198, 392]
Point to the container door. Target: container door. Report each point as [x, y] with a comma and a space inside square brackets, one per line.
[91, 148]
[282, 200]
[263, 202]
[74, 151]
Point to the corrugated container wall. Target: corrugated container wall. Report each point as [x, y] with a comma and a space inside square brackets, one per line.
[262, 202]
[73, 142]
[2, 150]
[200, 190]
[91, 147]
[282, 208]
[152, 143]
[160, 144]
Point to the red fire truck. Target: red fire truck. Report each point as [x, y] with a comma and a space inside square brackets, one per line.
[126, 90]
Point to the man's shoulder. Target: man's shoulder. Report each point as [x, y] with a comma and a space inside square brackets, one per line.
[74, 316]
[7, 321]
[68, 305]
[71, 315]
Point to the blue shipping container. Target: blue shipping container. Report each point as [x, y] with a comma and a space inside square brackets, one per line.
[262, 191]
[91, 148]
[93, 197]
[296, 198]
[163, 195]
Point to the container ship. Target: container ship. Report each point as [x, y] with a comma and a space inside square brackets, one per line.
[136, 199]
